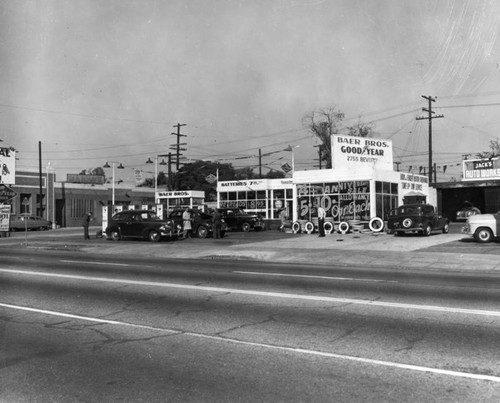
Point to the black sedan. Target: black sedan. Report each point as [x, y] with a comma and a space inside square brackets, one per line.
[143, 224]
[201, 222]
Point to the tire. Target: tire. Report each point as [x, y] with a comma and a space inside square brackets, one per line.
[296, 228]
[154, 236]
[427, 230]
[115, 235]
[329, 227]
[446, 228]
[407, 222]
[483, 235]
[246, 227]
[376, 224]
[309, 227]
[344, 227]
[201, 232]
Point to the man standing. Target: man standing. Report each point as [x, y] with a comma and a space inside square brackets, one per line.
[217, 221]
[86, 224]
[321, 221]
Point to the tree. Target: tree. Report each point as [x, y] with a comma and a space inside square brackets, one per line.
[198, 175]
[494, 150]
[99, 171]
[361, 129]
[323, 124]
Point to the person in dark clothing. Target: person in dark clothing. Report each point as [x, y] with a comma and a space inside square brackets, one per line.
[86, 225]
[217, 221]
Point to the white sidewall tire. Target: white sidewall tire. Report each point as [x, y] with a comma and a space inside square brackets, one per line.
[328, 226]
[296, 227]
[376, 224]
[309, 227]
[343, 227]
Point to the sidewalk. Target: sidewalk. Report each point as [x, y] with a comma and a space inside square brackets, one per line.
[350, 250]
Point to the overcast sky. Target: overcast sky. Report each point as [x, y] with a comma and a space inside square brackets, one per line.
[106, 80]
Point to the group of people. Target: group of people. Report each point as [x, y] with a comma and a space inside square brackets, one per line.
[187, 227]
[321, 219]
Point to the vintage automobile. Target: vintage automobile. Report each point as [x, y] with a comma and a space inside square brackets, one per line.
[238, 219]
[201, 223]
[140, 224]
[416, 218]
[468, 210]
[483, 227]
[23, 222]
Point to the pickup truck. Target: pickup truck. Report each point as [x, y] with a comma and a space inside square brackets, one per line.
[483, 227]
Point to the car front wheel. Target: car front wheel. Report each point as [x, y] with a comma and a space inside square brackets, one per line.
[446, 228]
[115, 235]
[427, 230]
[483, 235]
[202, 232]
[246, 227]
[154, 236]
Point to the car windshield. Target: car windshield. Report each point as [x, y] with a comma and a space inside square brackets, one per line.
[409, 210]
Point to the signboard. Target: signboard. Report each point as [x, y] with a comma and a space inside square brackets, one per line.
[350, 152]
[7, 166]
[4, 218]
[6, 193]
[481, 169]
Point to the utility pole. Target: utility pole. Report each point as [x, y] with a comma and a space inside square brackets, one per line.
[177, 147]
[319, 155]
[260, 163]
[40, 177]
[430, 116]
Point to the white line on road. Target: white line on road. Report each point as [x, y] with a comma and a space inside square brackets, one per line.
[316, 298]
[101, 263]
[316, 277]
[410, 367]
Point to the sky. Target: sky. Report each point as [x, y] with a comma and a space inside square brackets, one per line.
[107, 80]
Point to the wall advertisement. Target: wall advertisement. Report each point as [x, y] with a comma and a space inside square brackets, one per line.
[356, 152]
[7, 166]
[342, 201]
[481, 169]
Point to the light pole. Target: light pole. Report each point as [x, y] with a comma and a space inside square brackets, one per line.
[106, 165]
[292, 148]
[156, 170]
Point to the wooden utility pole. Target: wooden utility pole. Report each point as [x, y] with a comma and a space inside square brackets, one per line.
[177, 147]
[429, 117]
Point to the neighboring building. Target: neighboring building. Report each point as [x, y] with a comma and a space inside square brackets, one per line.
[66, 203]
[480, 186]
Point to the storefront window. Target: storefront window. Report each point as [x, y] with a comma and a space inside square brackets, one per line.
[387, 198]
[343, 201]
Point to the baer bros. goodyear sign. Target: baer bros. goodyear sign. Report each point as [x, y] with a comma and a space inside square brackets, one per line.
[356, 152]
[483, 169]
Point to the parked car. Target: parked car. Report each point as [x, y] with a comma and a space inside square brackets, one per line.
[416, 218]
[483, 227]
[466, 211]
[140, 224]
[238, 219]
[21, 222]
[201, 223]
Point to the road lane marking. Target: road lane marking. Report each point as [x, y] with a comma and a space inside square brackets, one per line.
[303, 351]
[101, 263]
[315, 277]
[396, 305]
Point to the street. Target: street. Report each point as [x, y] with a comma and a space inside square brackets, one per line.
[76, 327]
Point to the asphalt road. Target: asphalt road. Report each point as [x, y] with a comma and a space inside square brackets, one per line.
[76, 327]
